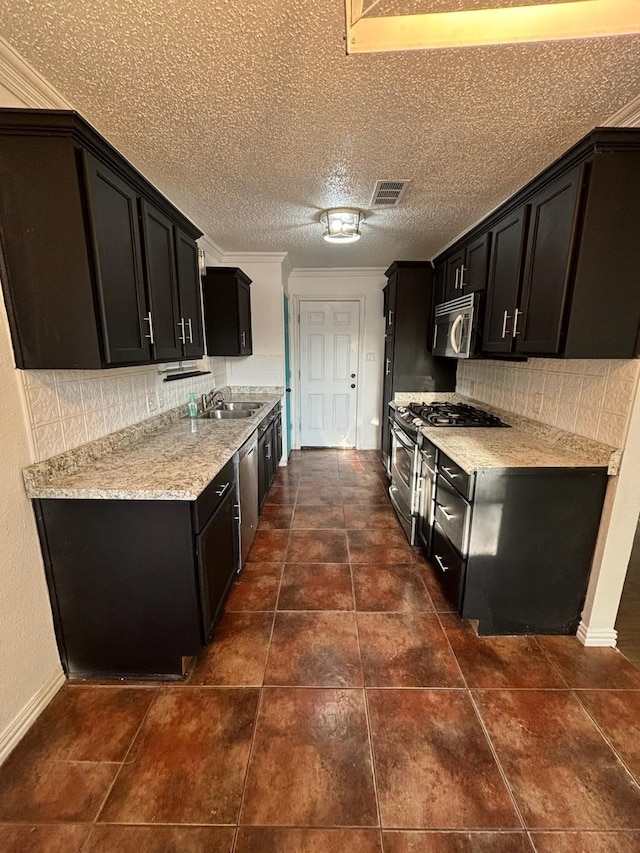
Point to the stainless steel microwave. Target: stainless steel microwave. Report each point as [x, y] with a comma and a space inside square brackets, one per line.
[455, 322]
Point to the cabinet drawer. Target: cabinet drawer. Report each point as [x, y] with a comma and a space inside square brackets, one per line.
[209, 500]
[459, 478]
[449, 566]
[453, 513]
[429, 452]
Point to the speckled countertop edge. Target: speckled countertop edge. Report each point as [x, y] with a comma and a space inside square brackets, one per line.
[529, 443]
[167, 457]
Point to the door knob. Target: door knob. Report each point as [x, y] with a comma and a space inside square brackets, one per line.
[353, 385]
[353, 376]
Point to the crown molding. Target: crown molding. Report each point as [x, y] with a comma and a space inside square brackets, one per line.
[27, 84]
[215, 252]
[627, 116]
[254, 257]
[337, 272]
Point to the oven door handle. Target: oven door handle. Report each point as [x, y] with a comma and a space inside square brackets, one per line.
[393, 489]
[402, 438]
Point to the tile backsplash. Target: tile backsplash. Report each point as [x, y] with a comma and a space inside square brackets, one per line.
[256, 370]
[590, 397]
[67, 408]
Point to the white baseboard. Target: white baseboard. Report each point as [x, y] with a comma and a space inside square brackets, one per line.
[17, 729]
[603, 637]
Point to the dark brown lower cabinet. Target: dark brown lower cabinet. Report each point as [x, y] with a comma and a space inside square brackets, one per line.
[513, 547]
[136, 586]
[269, 452]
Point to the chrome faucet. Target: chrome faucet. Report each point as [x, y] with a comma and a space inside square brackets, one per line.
[211, 399]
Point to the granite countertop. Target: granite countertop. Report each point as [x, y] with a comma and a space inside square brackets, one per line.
[526, 444]
[170, 457]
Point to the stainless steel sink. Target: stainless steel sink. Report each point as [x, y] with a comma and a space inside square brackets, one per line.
[241, 407]
[225, 414]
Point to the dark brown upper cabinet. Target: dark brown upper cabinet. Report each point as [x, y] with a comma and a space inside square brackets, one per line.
[174, 294]
[98, 268]
[226, 297]
[564, 256]
[465, 271]
[505, 270]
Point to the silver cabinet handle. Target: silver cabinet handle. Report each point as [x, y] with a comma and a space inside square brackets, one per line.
[267, 449]
[190, 330]
[441, 564]
[220, 492]
[455, 286]
[243, 338]
[387, 370]
[182, 338]
[504, 323]
[446, 513]
[149, 320]
[451, 473]
[515, 322]
[462, 281]
[390, 318]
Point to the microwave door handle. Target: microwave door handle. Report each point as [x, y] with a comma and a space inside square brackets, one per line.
[457, 323]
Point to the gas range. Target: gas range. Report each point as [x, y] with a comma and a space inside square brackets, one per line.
[410, 418]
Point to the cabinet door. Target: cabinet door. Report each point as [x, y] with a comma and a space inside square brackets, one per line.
[217, 560]
[277, 456]
[505, 267]
[118, 265]
[159, 250]
[387, 395]
[391, 291]
[547, 270]
[189, 294]
[439, 281]
[452, 288]
[263, 467]
[473, 274]
[244, 319]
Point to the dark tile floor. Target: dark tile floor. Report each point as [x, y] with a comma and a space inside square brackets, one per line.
[341, 707]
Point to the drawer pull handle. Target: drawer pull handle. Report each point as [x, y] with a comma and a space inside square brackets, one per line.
[448, 471]
[220, 492]
[182, 338]
[446, 513]
[441, 564]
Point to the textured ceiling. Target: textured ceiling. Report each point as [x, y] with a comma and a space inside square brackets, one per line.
[250, 117]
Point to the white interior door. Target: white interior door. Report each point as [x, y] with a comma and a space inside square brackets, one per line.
[329, 339]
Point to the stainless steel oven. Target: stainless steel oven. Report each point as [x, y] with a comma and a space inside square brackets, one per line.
[403, 490]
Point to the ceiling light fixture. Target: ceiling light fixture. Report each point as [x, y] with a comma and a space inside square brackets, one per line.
[341, 224]
[505, 24]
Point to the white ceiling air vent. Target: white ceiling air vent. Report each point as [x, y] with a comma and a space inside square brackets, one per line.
[388, 193]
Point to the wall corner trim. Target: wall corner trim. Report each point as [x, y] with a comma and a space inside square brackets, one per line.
[17, 729]
[27, 84]
[592, 637]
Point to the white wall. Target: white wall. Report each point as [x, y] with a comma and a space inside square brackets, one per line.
[29, 663]
[266, 365]
[349, 283]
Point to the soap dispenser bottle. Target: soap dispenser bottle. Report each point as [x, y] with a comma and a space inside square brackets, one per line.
[192, 405]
